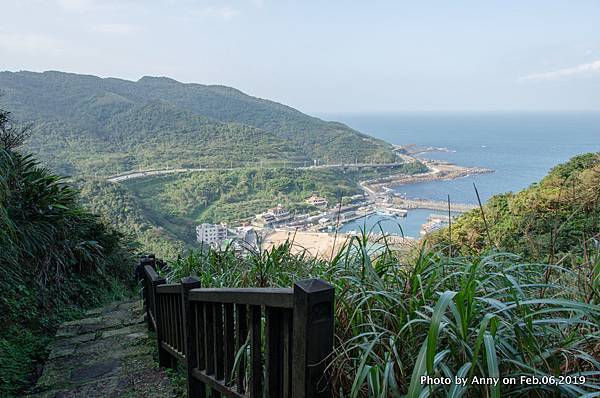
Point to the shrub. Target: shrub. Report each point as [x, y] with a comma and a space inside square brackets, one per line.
[55, 258]
[398, 318]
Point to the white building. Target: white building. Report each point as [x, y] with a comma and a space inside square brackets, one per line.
[317, 201]
[248, 236]
[211, 234]
[279, 211]
[265, 218]
[273, 216]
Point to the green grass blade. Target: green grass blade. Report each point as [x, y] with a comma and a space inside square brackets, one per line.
[492, 363]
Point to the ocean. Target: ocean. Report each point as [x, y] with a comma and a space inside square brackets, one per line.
[520, 148]
[406, 226]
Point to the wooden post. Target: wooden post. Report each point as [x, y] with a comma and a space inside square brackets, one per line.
[195, 388]
[312, 338]
[274, 352]
[256, 368]
[164, 358]
[147, 286]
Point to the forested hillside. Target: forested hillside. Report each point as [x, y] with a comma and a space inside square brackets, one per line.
[557, 219]
[88, 125]
[161, 212]
[121, 208]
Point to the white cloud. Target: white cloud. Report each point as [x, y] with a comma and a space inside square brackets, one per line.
[221, 12]
[116, 28]
[29, 43]
[75, 5]
[583, 69]
[88, 6]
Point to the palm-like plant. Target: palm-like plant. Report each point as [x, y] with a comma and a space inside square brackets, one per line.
[54, 256]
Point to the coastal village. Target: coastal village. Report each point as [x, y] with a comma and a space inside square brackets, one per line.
[318, 230]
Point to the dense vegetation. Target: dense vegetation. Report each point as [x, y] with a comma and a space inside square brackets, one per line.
[487, 313]
[88, 125]
[398, 318]
[555, 220]
[235, 195]
[55, 258]
[122, 209]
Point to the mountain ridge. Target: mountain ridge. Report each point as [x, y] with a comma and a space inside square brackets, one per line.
[91, 105]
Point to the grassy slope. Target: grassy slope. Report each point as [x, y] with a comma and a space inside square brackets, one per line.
[154, 135]
[554, 219]
[123, 209]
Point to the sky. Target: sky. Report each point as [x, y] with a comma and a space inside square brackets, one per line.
[327, 56]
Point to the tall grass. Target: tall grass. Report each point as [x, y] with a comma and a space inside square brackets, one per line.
[399, 318]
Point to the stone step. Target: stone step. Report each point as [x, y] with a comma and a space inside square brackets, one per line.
[106, 354]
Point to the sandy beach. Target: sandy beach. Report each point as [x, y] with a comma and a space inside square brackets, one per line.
[317, 244]
[320, 244]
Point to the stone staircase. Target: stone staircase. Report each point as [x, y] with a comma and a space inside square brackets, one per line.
[107, 354]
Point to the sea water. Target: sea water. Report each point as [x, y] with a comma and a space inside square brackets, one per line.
[403, 226]
[521, 148]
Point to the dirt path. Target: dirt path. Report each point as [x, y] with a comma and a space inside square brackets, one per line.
[108, 354]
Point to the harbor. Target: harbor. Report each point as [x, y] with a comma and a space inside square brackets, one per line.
[380, 210]
[385, 212]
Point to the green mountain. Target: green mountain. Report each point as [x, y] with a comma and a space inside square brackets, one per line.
[86, 124]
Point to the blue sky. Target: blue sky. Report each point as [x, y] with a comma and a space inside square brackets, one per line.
[327, 56]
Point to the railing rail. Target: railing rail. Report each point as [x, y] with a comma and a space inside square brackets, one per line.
[243, 342]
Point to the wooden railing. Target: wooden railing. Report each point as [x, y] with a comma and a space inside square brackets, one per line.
[243, 342]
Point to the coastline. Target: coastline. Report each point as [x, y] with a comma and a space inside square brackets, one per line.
[438, 170]
[319, 241]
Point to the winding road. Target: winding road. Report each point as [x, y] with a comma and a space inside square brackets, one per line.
[150, 173]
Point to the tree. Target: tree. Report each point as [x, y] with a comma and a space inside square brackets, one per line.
[11, 134]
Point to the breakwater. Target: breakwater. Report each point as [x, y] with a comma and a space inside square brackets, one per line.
[433, 205]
